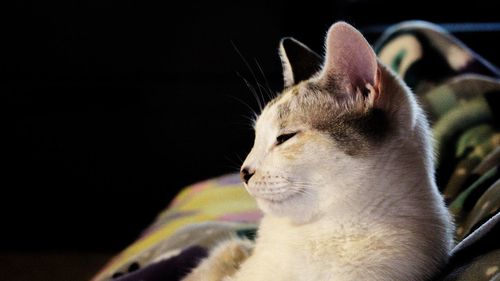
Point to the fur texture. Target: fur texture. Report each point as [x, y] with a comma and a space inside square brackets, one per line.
[342, 169]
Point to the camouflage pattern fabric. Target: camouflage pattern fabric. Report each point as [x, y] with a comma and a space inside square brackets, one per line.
[459, 91]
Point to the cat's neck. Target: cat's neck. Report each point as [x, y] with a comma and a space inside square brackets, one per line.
[399, 191]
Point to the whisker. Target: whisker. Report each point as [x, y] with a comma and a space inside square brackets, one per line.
[233, 164]
[239, 158]
[255, 114]
[252, 90]
[250, 121]
[269, 90]
[245, 124]
[300, 183]
[268, 95]
[251, 71]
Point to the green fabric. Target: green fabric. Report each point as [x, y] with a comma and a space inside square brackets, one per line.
[457, 206]
[482, 145]
[456, 88]
[485, 207]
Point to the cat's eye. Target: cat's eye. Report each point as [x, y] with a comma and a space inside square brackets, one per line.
[284, 137]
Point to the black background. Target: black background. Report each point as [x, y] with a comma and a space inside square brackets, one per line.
[112, 107]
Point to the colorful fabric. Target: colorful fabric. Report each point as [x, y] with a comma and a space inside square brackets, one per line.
[460, 92]
[195, 217]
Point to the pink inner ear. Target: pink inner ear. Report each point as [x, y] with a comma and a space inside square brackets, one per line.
[349, 55]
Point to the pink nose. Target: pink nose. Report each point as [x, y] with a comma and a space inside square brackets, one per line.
[246, 174]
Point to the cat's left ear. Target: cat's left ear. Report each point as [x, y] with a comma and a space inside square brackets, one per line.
[351, 66]
[298, 61]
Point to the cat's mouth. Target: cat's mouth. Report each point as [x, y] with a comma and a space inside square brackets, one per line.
[274, 195]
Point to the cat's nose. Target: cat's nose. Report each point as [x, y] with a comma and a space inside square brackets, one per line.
[246, 173]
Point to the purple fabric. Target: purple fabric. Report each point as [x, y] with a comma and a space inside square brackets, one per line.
[172, 269]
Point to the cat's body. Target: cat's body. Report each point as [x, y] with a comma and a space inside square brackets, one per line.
[342, 168]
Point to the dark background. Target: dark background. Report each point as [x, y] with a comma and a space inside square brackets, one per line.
[112, 107]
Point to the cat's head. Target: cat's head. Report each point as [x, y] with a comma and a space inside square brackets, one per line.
[323, 135]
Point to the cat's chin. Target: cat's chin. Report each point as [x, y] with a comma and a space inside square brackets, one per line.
[293, 206]
[280, 198]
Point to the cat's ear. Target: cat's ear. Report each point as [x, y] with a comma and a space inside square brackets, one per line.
[351, 65]
[298, 61]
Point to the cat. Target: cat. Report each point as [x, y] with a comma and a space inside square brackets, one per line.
[342, 168]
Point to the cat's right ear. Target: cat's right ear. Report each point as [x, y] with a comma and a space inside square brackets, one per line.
[351, 66]
[298, 61]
